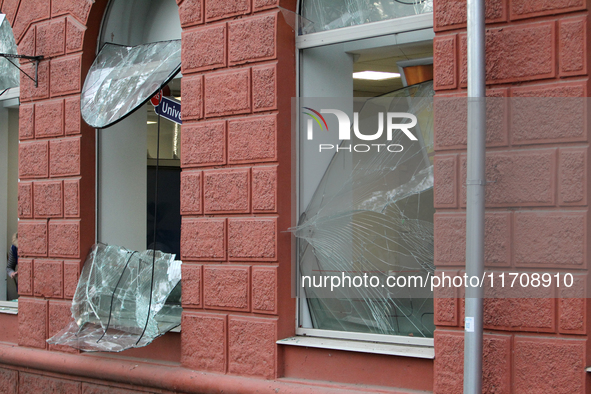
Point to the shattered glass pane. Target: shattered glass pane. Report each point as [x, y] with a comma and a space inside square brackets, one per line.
[334, 14]
[372, 213]
[9, 74]
[121, 79]
[112, 300]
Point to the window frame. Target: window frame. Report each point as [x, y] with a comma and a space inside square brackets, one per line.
[10, 100]
[406, 29]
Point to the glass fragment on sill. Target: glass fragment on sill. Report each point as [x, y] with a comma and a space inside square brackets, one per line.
[334, 14]
[121, 79]
[9, 74]
[110, 306]
[372, 213]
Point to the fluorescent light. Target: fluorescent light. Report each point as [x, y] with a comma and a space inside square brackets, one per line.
[151, 122]
[375, 75]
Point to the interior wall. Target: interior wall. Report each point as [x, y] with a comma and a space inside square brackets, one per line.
[122, 182]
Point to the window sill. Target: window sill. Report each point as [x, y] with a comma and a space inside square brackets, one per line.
[9, 307]
[391, 349]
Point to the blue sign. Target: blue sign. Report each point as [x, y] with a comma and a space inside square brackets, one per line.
[170, 109]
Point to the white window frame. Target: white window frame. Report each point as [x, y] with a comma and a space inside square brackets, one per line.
[396, 31]
[10, 99]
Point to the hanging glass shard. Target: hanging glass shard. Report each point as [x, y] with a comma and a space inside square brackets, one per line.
[112, 302]
[9, 74]
[122, 79]
[334, 14]
[370, 215]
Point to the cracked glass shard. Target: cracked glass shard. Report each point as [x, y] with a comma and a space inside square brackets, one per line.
[111, 304]
[372, 213]
[334, 14]
[122, 79]
[9, 74]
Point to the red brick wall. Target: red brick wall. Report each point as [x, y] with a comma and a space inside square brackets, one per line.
[238, 63]
[536, 202]
[56, 162]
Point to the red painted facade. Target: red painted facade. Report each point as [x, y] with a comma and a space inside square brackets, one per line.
[239, 75]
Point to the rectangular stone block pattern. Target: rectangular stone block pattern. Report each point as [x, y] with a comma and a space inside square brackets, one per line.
[223, 9]
[204, 48]
[71, 275]
[264, 4]
[572, 306]
[572, 46]
[264, 290]
[66, 75]
[445, 62]
[252, 39]
[25, 200]
[192, 285]
[192, 88]
[548, 114]
[34, 384]
[203, 239]
[49, 119]
[549, 365]
[450, 239]
[527, 9]
[64, 238]
[28, 90]
[25, 276]
[60, 316]
[32, 323]
[51, 38]
[64, 157]
[47, 199]
[252, 239]
[264, 88]
[252, 139]
[32, 237]
[203, 341]
[550, 239]
[264, 189]
[28, 12]
[227, 93]
[251, 346]
[445, 186]
[48, 278]
[74, 35]
[78, 9]
[520, 314]
[191, 13]
[226, 287]
[451, 119]
[72, 115]
[506, 48]
[518, 178]
[72, 198]
[572, 175]
[26, 122]
[203, 144]
[449, 364]
[191, 201]
[33, 159]
[451, 14]
[226, 191]
[9, 381]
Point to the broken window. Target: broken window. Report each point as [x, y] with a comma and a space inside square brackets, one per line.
[122, 78]
[123, 300]
[366, 205]
[9, 74]
[334, 14]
